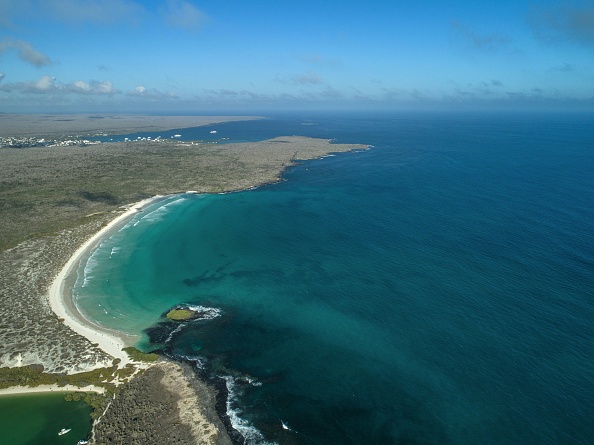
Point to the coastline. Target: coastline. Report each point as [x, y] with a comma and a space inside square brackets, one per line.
[20, 390]
[240, 166]
[60, 298]
[112, 342]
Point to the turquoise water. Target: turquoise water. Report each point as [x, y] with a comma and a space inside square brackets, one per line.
[37, 419]
[436, 289]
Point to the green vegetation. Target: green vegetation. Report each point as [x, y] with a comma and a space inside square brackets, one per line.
[125, 373]
[180, 314]
[33, 375]
[96, 401]
[140, 356]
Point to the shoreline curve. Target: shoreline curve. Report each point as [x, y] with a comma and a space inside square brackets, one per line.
[60, 298]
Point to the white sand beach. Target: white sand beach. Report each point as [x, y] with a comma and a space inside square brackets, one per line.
[18, 390]
[60, 298]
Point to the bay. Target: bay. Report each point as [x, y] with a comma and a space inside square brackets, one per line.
[435, 289]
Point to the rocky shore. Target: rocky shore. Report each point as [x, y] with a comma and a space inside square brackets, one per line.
[164, 405]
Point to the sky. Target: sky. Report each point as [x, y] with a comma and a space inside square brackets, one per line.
[177, 56]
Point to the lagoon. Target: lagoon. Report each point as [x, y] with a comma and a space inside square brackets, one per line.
[37, 418]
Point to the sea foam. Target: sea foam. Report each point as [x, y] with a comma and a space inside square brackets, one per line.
[251, 434]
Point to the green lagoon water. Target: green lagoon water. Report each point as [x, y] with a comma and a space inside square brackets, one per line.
[35, 419]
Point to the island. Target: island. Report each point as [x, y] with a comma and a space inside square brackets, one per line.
[57, 202]
[181, 314]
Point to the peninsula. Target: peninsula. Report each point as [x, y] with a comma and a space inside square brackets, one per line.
[57, 203]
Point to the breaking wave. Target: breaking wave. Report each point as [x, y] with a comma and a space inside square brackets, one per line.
[206, 313]
[250, 433]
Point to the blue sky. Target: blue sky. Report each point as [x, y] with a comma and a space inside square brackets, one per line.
[250, 56]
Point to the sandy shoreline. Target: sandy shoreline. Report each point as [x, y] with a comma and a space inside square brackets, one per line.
[18, 390]
[60, 298]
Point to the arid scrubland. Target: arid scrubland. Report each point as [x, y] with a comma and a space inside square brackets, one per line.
[44, 190]
[71, 125]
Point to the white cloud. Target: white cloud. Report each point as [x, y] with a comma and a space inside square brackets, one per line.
[49, 85]
[44, 84]
[105, 88]
[151, 94]
[82, 86]
[92, 87]
[138, 91]
[2, 75]
[182, 14]
[25, 52]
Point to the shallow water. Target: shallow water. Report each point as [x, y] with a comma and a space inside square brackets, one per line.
[434, 289]
[37, 419]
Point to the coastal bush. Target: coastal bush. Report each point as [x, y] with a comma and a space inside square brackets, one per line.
[140, 356]
[125, 373]
[33, 375]
[97, 402]
[22, 376]
[74, 396]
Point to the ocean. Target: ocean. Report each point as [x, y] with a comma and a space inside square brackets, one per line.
[437, 288]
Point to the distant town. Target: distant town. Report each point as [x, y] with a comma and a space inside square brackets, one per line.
[31, 141]
[28, 142]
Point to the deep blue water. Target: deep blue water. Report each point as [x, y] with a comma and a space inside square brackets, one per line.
[435, 289]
